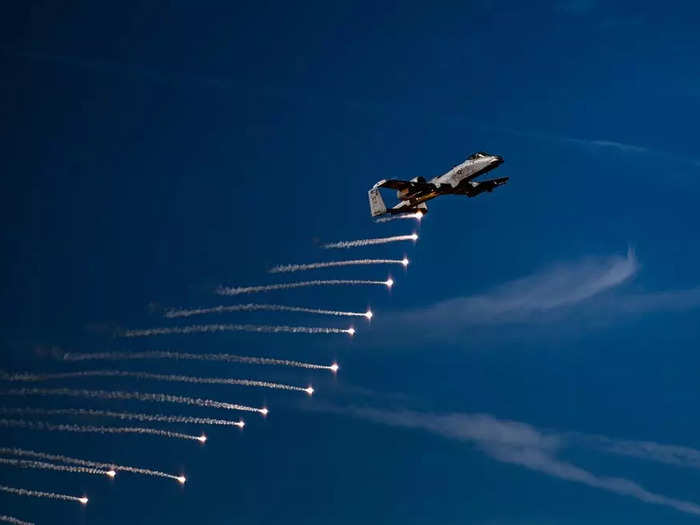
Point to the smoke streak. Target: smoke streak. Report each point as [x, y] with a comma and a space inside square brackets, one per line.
[39, 494]
[371, 242]
[15, 521]
[315, 266]
[250, 307]
[124, 416]
[86, 463]
[48, 427]
[21, 463]
[224, 290]
[418, 216]
[210, 328]
[137, 396]
[155, 377]
[227, 358]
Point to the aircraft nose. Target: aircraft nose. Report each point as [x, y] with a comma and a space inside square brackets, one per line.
[499, 159]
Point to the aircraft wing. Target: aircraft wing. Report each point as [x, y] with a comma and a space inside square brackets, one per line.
[475, 188]
[399, 185]
[488, 185]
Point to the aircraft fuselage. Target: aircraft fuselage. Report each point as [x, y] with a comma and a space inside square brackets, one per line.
[458, 181]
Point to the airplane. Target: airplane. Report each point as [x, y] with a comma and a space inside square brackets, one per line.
[413, 193]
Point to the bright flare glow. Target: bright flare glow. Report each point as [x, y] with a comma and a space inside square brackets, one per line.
[181, 480]
[418, 215]
[414, 236]
[351, 331]
[389, 282]
[369, 314]
[404, 261]
[240, 424]
[310, 390]
[83, 501]
[202, 438]
[334, 367]
[264, 411]
[111, 473]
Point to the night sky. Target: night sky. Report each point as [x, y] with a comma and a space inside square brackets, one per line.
[536, 363]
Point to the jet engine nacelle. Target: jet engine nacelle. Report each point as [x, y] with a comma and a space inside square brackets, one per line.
[406, 193]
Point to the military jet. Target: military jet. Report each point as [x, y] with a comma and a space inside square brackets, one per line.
[413, 193]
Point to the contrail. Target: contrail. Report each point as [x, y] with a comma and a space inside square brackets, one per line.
[21, 463]
[230, 290]
[124, 416]
[39, 494]
[157, 377]
[332, 264]
[44, 426]
[210, 328]
[418, 216]
[113, 467]
[15, 521]
[228, 358]
[250, 307]
[137, 396]
[371, 242]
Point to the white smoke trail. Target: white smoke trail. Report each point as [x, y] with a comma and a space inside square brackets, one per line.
[228, 358]
[48, 427]
[86, 463]
[210, 328]
[318, 265]
[250, 307]
[21, 463]
[157, 377]
[39, 494]
[224, 290]
[137, 396]
[371, 242]
[15, 521]
[124, 416]
[418, 216]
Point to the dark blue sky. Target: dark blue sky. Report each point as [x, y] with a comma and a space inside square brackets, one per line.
[154, 151]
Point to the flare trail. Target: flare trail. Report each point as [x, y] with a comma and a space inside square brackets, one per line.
[124, 416]
[251, 307]
[230, 290]
[228, 358]
[315, 266]
[371, 242]
[40, 494]
[85, 463]
[21, 463]
[137, 396]
[155, 377]
[48, 427]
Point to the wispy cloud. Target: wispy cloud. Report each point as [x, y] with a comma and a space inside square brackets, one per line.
[553, 288]
[598, 145]
[660, 301]
[647, 450]
[524, 445]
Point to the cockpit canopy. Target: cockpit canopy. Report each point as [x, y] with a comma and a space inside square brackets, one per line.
[479, 155]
